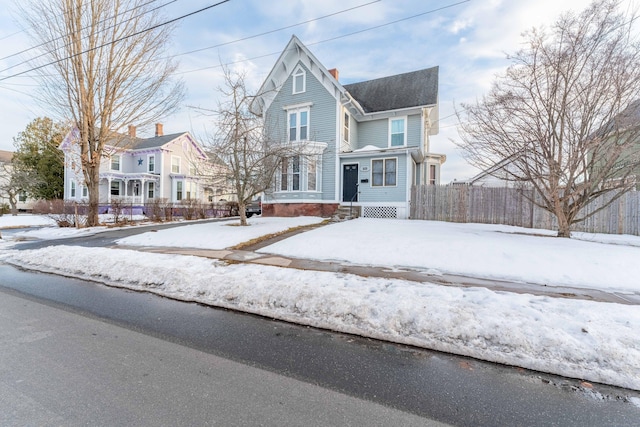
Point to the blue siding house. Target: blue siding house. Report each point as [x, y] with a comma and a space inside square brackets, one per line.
[362, 144]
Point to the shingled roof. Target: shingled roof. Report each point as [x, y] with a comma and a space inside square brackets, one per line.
[154, 141]
[406, 90]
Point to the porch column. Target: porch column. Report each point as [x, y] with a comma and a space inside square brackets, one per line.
[126, 189]
[109, 189]
[142, 181]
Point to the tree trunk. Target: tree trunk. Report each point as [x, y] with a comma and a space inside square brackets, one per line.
[93, 187]
[564, 228]
[13, 203]
[242, 211]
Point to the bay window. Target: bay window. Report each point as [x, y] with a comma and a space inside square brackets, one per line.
[299, 173]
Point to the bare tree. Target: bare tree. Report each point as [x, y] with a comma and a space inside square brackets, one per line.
[102, 68]
[562, 116]
[241, 153]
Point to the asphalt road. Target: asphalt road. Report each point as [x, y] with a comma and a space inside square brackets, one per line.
[61, 368]
[294, 375]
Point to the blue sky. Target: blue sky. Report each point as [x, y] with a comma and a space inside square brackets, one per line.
[468, 40]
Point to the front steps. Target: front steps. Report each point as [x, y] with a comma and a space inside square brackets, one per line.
[345, 212]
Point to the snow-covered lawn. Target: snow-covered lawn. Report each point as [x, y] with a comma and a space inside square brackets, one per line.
[24, 220]
[589, 340]
[217, 235]
[478, 250]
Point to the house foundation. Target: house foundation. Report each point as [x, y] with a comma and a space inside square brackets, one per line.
[324, 210]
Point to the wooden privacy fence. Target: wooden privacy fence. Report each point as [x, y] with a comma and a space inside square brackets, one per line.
[509, 206]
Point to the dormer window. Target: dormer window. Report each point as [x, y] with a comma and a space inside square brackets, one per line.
[299, 80]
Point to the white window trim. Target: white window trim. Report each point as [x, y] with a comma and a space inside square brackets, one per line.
[119, 162]
[151, 189]
[72, 190]
[404, 142]
[149, 157]
[179, 163]
[346, 126]
[299, 71]
[297, 112]
[384, 172]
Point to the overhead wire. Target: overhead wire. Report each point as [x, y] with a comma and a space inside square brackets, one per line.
[325, 40]
[115, 41]
[66, 35]
[275, 30]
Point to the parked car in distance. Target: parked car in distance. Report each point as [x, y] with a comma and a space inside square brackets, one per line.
[254, 208]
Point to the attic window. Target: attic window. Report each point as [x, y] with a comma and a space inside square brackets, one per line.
[299, 81]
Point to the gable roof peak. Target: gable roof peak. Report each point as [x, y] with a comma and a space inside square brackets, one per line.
[294, 54]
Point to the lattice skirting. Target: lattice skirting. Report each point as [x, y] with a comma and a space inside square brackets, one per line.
[380, 212]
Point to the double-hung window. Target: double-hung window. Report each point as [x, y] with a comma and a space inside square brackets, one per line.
[298, 125]
[432, 175]
[73, 189]
[151, 163]
[384, 172]
[115, 162]
[397, 132]
[345, 128]
[299, 80]
[115, 188]
[151, 190]
[190, 190]
[312, 173]
[175, 164]
[179, 190]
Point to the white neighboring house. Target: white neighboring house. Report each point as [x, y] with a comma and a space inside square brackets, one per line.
[24, 203]
[496, 176]
[138, 170]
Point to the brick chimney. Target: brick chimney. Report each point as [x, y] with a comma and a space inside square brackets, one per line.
[159, 131]
[132, 131]
[334, 73]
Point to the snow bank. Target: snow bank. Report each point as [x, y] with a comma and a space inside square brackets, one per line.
[589, 340]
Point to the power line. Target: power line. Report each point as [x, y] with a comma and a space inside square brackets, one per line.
[326, 40]
[273, 31]
[66, 35]
[116, 41]
[261, 34]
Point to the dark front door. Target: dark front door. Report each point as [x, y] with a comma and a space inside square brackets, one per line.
[350, 183]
